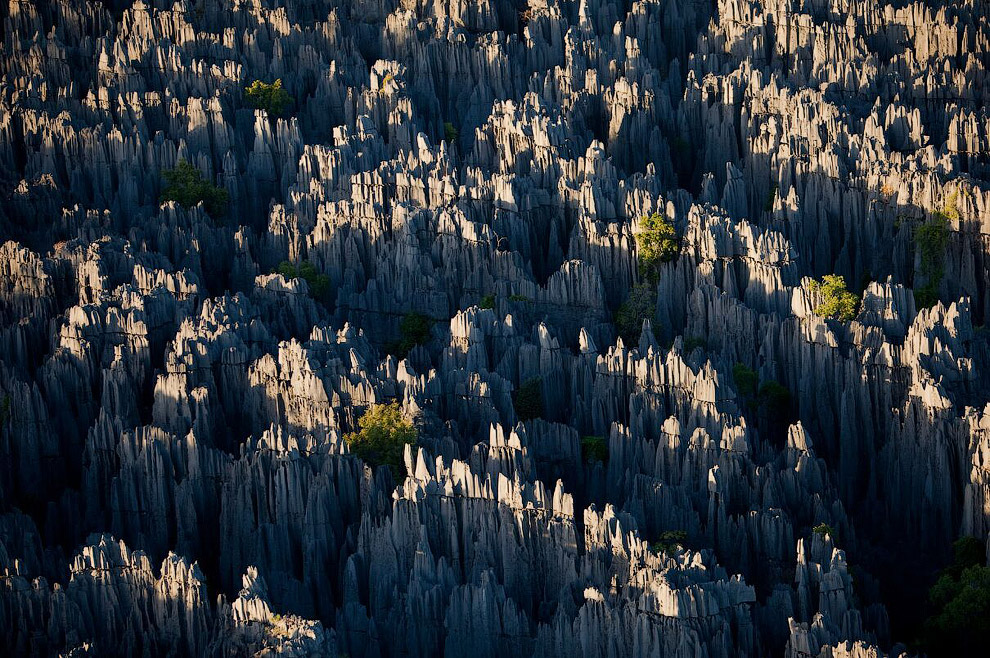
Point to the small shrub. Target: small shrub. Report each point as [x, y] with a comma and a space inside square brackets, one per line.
[488, 301]
[414, 329]
[670, 542]
[746, 381]
[823, 529]
[839, 303]
[931, 240]
[186, 186]
[383, 436]
[960, 600]
[450, 133]
[776, 400]
[657, 243]
[271, 98]
[319, 284]
[594, 449]
[528, 400]
[519, 298]
[692, 342]
[639, 306]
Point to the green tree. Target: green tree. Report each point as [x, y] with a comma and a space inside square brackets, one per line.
[639, 306]
[414, 329]
[960, 600]
[528, 400]
[775, 400]
[271, 98]
[382, 437]
[823, 529]
[186, 186]
[670, 542]
[319, 284]
[746, 381]
[839, 303]
[594, 449]
[488, 301]
[657, 242]
[691, 342]
[450, 133]
[931, 240]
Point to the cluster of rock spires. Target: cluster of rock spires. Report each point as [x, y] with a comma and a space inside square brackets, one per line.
[173, 474]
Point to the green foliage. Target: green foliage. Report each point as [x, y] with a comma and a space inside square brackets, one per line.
[771, 396]
[519, 298]
[5, 414]
[639, 306]
[319, 284]
[657, 243]
[823, 529]
[382, 437]
[839, 304]
[926, 296]
[594, 449]
[528, 400]
[670, 542]
[960, 599]
[775, 399]
[966, 552]
[271, 98]
[691, 342]
[450, 133]
[931, 240]
[414, 329]
[746, 381]
[186, 186]
[488, 301]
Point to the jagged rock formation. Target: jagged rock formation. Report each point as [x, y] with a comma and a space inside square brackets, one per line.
[174, 478]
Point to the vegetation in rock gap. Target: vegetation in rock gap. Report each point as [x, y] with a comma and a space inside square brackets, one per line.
[319, 284]
[657, 242]
[960, 601]
[692, 342]
[4, 409]
[770, 400]
[746, 381]
[488, 301]
[670, 542]
[272, 98]
[450, 133]
[186, 186]
[931, 240]
[528, 399]
[519, 298]
[639, 306]
[594, 449]
[838, 303]
[823, 529]
[382, 437]
[414, 329]
[775, 401]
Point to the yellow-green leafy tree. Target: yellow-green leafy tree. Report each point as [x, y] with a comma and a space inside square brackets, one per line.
[382, 437]
[273, 98]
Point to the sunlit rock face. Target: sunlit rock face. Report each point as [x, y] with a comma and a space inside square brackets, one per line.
[447, 211]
